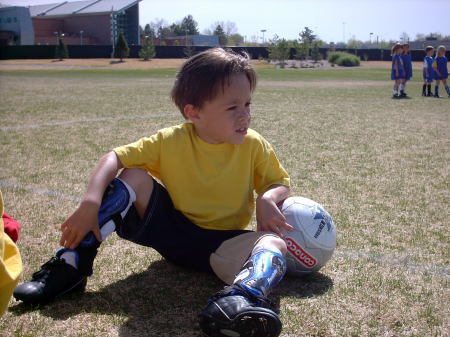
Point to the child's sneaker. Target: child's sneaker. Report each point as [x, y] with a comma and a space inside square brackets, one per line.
[437, 96]
[235, 312]
[55, 278]
[395, 96]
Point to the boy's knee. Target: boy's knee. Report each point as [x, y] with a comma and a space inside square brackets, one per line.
[273, 241]
[142, 184]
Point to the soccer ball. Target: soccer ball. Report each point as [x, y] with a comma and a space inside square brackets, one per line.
[313, 240]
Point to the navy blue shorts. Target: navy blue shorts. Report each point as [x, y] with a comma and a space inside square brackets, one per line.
[171, 233]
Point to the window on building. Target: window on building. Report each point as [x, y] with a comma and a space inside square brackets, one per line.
[8, 20]
[14, 19]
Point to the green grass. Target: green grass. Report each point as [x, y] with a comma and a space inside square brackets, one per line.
[379, 166]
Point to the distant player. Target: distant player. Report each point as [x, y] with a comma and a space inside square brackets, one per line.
[407, 64]
[428, 71]
[441, 71]
[398, 70]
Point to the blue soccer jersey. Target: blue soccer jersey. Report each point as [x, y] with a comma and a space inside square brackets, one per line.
[428, 71]
[407, 64]
[440, 64]
[398, 70]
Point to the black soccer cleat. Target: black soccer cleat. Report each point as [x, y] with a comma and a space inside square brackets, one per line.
[234, 312]
[54, 279]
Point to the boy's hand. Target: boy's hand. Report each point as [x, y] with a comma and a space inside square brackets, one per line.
[81, 222]
[268, 216]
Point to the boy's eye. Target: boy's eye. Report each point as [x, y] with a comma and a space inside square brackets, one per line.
[248, 104]
[232, 107]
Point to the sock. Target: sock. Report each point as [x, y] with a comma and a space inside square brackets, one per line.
[436, 90]
[447, 89]
[262, 271]
[404, 87]
[401, 86]
[424, 89]
[429, 88]
[68, 255]
[395, 89]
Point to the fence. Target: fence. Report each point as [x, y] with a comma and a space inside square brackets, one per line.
[95, 51]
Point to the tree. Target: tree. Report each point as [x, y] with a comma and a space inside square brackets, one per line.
[235, 40]
[221, 35]
[149, 31]
[279, 49]
[148, 49]
[315, 54]
[121, 49]
[306, 37]
[61, 51]
[189, 26]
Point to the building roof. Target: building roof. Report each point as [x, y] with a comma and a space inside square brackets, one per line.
[65, 8]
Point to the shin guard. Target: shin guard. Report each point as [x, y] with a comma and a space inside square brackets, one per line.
[116, 202]
[263, 270]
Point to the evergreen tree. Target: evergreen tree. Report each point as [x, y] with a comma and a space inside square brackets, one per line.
[307, 38]
[221, 35]
[315, 54]
[189, 26]
[148, 49]
[279, 49]
[61, 51]
[121, 49]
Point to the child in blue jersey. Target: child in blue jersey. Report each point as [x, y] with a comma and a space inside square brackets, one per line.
[441, 70]
[398, 70]
[407, 64]
[428, 71]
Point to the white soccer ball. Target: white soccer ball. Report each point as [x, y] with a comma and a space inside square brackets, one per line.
[312, 241]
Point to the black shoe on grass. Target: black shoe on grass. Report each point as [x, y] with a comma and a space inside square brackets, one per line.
[234, 312]
[54, 279]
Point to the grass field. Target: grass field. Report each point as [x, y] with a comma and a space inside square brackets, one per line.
[381, 167]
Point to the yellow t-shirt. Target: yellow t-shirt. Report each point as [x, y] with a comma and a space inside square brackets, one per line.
[10, 264]
[211, 184]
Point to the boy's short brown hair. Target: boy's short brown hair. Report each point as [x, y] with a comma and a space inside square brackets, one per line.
[202, 75]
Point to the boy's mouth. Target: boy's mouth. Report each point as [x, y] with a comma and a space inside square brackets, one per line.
[242, 130]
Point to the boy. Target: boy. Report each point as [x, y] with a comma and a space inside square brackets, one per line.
[428, 71]
[210, 169]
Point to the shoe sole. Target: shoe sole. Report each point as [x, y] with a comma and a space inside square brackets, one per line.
[246, 324]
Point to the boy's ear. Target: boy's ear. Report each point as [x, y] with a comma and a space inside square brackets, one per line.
[191, 112]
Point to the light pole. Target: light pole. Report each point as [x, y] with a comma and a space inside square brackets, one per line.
[81, 37]
[343, 31]
[263, 31]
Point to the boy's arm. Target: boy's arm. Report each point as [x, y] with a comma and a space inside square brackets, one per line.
[268, 216]
[85, 217]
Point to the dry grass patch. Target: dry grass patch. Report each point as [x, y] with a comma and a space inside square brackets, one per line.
[381, 168]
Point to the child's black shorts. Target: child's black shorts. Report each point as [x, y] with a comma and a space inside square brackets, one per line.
[171, 233]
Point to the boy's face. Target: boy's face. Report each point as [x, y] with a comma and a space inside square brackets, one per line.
[430, 52]
[226, 118]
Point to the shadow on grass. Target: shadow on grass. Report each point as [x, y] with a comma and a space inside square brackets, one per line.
[164, 300]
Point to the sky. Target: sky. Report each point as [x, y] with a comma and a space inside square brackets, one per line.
[331, 20]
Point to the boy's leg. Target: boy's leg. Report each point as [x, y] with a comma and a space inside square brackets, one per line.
[429, 94]
[424, 89]
[447, 89]
[395, 93]
[243, 306]
[68, 270]
[436, 89]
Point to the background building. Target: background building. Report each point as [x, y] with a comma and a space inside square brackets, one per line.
[93, 22]
[15, 26]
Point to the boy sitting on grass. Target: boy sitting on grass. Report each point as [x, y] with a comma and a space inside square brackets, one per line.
[210, 168]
